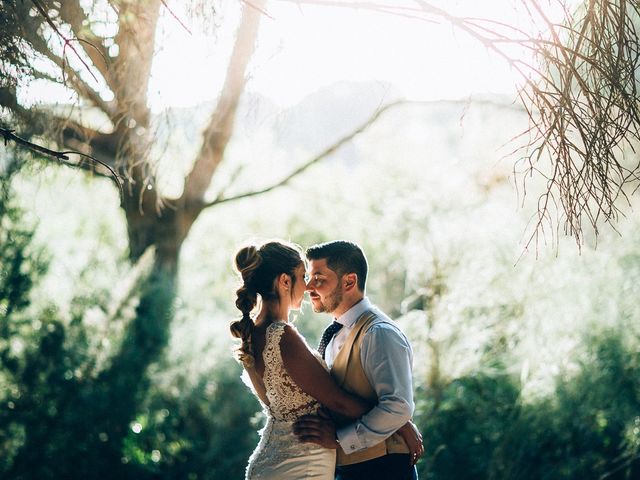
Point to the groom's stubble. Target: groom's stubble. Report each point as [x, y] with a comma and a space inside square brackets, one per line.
[331, 303]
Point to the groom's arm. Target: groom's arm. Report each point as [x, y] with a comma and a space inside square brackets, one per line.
[386, 358]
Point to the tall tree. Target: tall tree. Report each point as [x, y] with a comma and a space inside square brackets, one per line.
[65, 34]
[68, 36]
[108, 68]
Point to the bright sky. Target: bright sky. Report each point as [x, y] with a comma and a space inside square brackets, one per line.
[303, 49]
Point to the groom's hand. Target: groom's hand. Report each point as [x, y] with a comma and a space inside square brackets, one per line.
[316, 429]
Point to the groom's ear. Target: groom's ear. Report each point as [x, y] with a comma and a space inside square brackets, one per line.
[350, 281]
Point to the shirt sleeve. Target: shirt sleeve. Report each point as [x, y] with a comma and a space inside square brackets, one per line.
[387, 361]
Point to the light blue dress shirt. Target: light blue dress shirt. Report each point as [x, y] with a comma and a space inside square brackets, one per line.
[387, 360]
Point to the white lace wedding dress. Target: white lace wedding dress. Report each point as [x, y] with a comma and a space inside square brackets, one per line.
[279, 454]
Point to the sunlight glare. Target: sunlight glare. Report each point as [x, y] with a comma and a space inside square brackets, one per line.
[301, 50]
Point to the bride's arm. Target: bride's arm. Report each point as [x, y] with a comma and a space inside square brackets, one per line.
[254, 381]
[312, 378]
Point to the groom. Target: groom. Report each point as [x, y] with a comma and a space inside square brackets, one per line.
[369, 356]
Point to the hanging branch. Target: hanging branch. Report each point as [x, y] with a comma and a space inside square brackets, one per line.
[584, 113]
[62, 156]
[580, 94]
[176, 18]
[66, 41]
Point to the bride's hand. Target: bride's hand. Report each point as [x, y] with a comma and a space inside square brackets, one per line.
[411, 435]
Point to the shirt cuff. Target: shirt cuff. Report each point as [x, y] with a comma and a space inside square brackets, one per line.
[348, 439]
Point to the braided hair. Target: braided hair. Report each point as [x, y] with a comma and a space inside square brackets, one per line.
[259, 267]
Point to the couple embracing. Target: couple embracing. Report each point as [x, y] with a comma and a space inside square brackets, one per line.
[343, 411]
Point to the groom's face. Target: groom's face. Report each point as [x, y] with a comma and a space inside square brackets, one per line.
[324, 287]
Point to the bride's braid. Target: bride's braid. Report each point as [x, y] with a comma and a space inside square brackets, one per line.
[248, 260]
[259, 267]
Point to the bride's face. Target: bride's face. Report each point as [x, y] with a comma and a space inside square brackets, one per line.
[299, 288]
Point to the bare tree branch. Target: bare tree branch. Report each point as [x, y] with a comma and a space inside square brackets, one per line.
[132, 66]
[76, 82]
[321, 156]
[258, 7]
[327, 152]
[218, 132]
[63, 156]
[164, 4]
[62, 131]
[82, 88]
[67, 42]
[584, 128]
[9, 135]
[580, 93]
[72, 12]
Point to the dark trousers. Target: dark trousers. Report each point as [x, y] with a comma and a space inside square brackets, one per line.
[394, 466]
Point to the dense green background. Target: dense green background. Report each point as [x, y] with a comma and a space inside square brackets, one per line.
[527, 360]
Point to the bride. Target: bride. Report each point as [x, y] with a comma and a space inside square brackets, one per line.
[287, 376]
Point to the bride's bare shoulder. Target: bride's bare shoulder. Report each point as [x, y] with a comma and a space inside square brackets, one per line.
[292, 339]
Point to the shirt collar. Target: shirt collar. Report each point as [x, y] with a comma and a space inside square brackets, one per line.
[349, 317]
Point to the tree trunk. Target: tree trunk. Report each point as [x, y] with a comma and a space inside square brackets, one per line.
[111, 401]
[161, 223]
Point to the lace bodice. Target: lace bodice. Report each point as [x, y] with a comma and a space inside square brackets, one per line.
[280, 455]
[287, 401]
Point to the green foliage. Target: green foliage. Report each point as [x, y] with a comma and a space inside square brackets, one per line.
[480, 427]
[67, 410]
[14, 59]
[203, 431]
[464, 421]
[96, 382]
[78, 399]
[20, 264]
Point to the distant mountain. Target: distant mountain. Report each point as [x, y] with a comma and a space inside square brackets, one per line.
[329, 113]
[312, 124]
[326, 115]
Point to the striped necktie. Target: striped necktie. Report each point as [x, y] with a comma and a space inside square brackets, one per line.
[327, 335]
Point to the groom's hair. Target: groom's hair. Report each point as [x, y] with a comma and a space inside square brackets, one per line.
[342, 257]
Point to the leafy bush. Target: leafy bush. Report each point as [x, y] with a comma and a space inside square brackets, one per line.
[77, 399]
[65, 397]
[202, 431]
[589, 428]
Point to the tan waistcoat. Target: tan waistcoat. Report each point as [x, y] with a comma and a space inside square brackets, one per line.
[348, 372]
